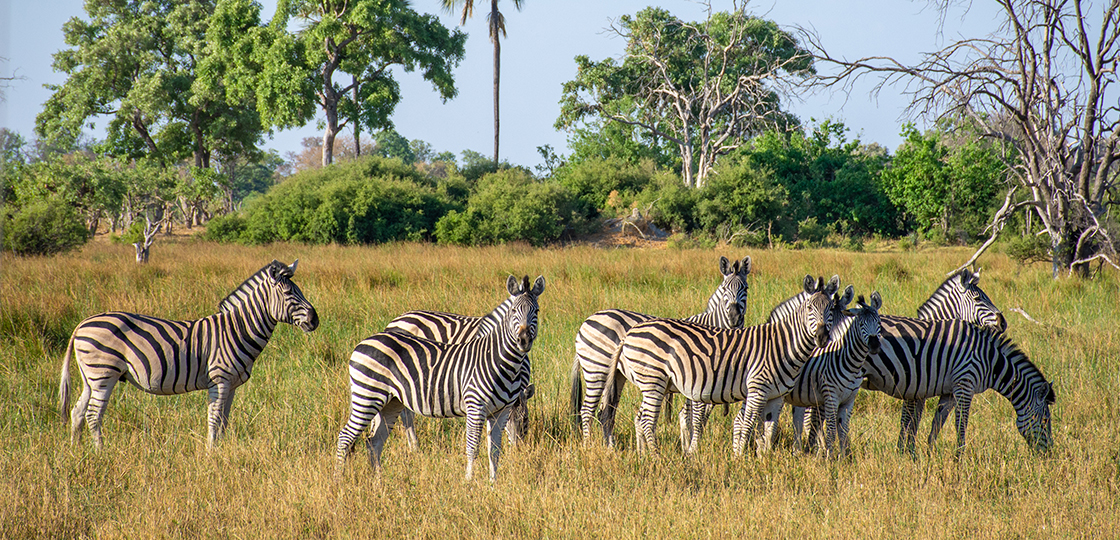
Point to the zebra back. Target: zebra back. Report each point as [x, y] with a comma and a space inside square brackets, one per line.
[960, 297]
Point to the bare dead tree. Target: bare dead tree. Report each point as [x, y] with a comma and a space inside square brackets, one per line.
[1040, 82]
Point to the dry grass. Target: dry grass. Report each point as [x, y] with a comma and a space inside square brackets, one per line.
[272, 476]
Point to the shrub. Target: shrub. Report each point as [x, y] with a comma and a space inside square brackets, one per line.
[609, 184]
[1028, 249]
[227, 228]
[739, 195]
[45, 227]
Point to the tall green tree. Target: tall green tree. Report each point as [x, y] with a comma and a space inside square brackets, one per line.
[293, 74]
[496, 23]
[706, 87]
[137, 63]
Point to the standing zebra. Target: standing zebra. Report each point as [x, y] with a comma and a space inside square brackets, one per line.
[711, 365]
[601, 334]
[455, 328]
[955, 360]
[479, 379]
[831, 378]
[163, 357]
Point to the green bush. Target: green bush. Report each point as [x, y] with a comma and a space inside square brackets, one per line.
[738, 194]
[609, 184]
[1028, 249]
[811, 232]
[510, 205]
[45, 227]
[227, 228]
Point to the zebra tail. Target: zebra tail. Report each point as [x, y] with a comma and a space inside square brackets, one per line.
[577, 392]
[64, 381]
[606, 398]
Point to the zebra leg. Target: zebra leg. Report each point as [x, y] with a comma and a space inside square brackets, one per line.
[382, 427]
[408, 422]
[743, 427]
[98, 400]
[686, 426]
[475, 422]
[495, 425]
[78, 413]
[771, 411]
[843, 418]
[227, 406]
[944, 407]
[830, 422]
[594, 392]
[816, 429]
[646, 419]
[701, 412]
[220, 395]
[963, 397]
[610, 410]
[798, 419]
[911, 416]
[363, 409]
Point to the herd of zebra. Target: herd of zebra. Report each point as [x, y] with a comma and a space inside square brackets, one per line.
[815, 352]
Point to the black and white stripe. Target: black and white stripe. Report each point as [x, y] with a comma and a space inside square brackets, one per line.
[479, 379]
[954, 360]
[164, 357]
[455, 328]
[601, 334]
[960, 297]
[832, 376]
[716, 366]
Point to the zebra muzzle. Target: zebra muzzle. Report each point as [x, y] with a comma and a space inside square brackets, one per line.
[822, 335]
[873, 345]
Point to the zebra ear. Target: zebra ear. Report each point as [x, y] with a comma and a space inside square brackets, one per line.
[1051, 395]
[833, 285]
[512, 285]
[966, 277]
[725, 266]
[809, 284]
[847, 298]
[876, 301]
[745, 267]
[292, 268]
[538, 285]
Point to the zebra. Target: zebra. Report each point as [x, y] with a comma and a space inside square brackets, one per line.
[958, 297]
[164, 357]
[694, 416]
[455, 328]
[601, 334]
[955, 360]
[478, 379]
[711, 365]
[831, 378]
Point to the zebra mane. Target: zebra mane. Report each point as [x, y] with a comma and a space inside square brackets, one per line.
[962, 280]
[1018, 369]
[236, 299]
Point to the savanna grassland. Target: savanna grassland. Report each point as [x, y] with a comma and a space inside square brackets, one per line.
[272, 476]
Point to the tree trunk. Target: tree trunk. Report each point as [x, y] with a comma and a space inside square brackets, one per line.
[357, 124]
[494, 17]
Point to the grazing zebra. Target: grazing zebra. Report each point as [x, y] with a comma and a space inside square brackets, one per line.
[831, 378]
[478, 379]
[175, 357]
[455, 328]
[954, 360]
[711, 365]
[601, 334]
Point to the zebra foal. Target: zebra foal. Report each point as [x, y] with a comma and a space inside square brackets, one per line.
[164, 357]
[478, 379]
[600, 336]
[455, 328]
[710, 365]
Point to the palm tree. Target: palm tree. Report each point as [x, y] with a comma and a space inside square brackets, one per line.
[497, 23]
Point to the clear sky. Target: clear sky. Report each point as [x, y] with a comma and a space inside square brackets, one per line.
[537, 58]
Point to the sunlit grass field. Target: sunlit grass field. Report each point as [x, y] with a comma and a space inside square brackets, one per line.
[272, 476]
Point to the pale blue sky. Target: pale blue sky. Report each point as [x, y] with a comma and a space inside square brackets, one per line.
[536, 59]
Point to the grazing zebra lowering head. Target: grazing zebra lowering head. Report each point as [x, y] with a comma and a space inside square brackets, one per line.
[601, 334]
[479, 379]
[960, 297]
[174, 357]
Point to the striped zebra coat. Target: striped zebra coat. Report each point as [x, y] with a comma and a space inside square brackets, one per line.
[455, 328]
[831, 378]
[955, 360]
[164, 357]
[601, 335]
[479, 379]
[711, 365]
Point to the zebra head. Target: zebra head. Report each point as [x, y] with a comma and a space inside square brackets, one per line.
[521, 320]
[1033, 416]
[818, 309]
[839, 309]
[286, 302]
[729, 301]
[960, 297]
[867, 321]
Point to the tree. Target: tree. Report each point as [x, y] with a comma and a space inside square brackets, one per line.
[293, 74]
[137, 61]
[496, 23]
[1041, 83]
[705, 86]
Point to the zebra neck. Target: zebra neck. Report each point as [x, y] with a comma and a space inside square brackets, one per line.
[937, 305]
[256, 324]
[1013, 375]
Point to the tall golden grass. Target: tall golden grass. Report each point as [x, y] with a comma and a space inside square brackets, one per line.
[272, 476]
